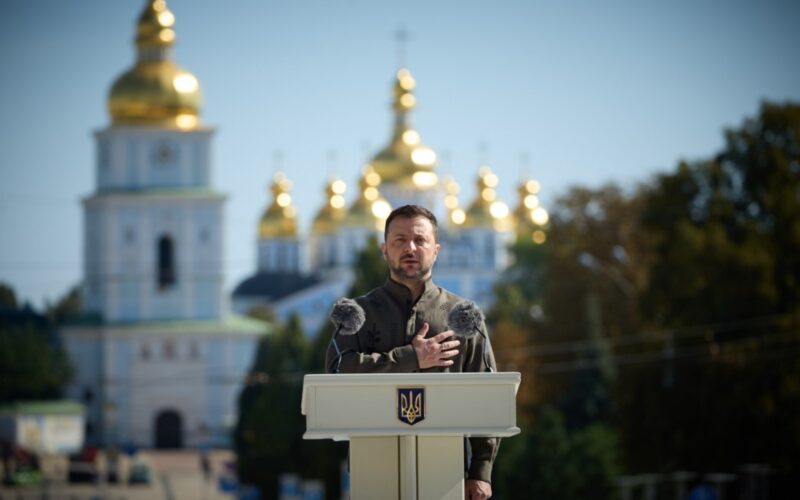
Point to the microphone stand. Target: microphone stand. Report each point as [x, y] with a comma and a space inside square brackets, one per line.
[486, 350]
[336, 347]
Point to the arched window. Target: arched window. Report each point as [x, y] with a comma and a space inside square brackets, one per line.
[166, 263]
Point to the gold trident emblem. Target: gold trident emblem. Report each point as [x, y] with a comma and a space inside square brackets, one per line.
[411, 407]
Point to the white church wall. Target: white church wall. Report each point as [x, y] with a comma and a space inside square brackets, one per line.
[280, 255]
[91, 271]
[127, 250]
[200, 172]
[322, 252]
[118, 389]
[169, 379]
[122, 240]
[228, 361]
[206, 267]
[131, 374]
[85, 354]
[218, 364]
[139, 158]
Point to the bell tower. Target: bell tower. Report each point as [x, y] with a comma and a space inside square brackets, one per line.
[153, 226]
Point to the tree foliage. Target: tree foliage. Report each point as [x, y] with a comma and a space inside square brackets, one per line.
[268, 436]
[67, 308]
[549, 461]
[369, 269]
[570, 299]
[677, 304]
[564, 308]
[33, 364]
[725, 235]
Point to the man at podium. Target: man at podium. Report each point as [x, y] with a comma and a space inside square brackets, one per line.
[405, 328]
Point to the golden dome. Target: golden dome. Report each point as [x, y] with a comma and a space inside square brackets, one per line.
[370, 209]
[486, 210]
[405, 160]
[280, 219]
[333, 212]
[530, 217]
[155, 91]
[455, 214]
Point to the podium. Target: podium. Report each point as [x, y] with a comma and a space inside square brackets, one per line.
[406, 430]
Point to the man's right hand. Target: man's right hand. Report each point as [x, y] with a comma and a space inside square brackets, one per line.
[435, 351]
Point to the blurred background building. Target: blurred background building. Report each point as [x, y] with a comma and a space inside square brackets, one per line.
[159, 361]
[656, 329]
[304, 274]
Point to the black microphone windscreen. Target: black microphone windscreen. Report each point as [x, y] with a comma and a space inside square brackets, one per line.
[348, 316]
[465, 319]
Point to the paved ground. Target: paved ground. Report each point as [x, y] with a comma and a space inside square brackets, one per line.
[175, 475]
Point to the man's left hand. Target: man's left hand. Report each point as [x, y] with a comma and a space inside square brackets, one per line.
[475, 489]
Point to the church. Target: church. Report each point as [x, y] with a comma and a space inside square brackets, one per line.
[160, 360]
[304, 275]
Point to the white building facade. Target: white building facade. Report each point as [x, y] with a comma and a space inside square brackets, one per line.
[159, 361]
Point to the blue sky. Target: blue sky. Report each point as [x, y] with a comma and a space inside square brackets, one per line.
[590, 92]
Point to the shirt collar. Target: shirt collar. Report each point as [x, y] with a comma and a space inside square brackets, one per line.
[402, 294]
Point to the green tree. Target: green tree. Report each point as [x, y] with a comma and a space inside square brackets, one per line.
[67, 308]
[570, 300]
[722, 293]
[33, 365]
[548, 461]
[736, 218]
[761, 164]
[557, 310]
[516, 319]
[8, 298]
[369, 269]
[268, 435]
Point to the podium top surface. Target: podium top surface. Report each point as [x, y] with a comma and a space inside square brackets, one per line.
[415, 378]
[345, 405]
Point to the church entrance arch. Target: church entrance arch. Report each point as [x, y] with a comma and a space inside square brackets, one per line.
[169, 429]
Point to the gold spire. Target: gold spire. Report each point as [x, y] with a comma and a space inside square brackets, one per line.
[155, 91]
[370, 209]
[486, 210]
[455, 214]
[333, 212]
[405, 160]
[155, 25]
[530, 217]
[279, 220]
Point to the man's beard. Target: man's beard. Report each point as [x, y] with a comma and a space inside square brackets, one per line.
[410, 275]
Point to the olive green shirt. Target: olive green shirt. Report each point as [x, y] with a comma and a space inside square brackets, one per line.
[383, 344]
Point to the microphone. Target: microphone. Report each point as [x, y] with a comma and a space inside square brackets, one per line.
[466, 320]
[348, 317]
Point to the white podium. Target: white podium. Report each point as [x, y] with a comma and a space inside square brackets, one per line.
[407, 430]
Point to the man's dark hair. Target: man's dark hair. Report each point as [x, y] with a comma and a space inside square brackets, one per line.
[411, 211]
